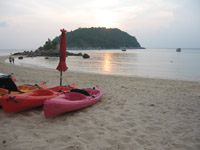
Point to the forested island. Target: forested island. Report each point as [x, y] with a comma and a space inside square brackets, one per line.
[95, 38]
[86, 39]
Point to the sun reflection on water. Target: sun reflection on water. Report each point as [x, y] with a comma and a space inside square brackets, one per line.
[107, 62]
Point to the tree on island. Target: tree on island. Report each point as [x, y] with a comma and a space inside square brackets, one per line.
[49, 45]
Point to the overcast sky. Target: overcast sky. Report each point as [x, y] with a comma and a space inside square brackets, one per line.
[155, 23]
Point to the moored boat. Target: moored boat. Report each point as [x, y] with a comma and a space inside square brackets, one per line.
[123, 49]
[73, 100]
[178, 50]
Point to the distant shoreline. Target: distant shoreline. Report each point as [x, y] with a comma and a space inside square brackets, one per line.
[53, 52]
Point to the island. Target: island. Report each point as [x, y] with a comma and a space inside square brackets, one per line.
[94, 38]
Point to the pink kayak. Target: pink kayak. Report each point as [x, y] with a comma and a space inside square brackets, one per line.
[73, 100]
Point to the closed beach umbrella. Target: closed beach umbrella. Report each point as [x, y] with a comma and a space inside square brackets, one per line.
[62, 64]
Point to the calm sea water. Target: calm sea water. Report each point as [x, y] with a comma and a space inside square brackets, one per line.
[4, 52]
[153, 63]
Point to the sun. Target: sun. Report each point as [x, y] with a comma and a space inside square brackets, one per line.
[105, 12]
[106, 19]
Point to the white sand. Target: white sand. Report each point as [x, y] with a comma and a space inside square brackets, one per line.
[134, 114]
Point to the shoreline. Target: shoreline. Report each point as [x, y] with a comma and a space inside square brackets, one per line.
[3, 58]
[134, 113]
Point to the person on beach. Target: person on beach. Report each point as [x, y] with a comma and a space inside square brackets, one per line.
[13, 60]
[10, 59]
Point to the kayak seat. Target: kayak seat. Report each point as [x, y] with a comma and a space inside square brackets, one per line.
[80, 91]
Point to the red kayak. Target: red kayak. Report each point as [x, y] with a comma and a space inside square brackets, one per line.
[22, 89]
[20, 102]
[28, 88]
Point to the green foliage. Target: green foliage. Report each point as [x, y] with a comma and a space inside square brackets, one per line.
[95, 38]
[49, 45]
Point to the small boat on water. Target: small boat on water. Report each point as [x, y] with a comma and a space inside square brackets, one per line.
[178, 50]
[19, 102]
[123, 49]
[20, 57]
[73, 100]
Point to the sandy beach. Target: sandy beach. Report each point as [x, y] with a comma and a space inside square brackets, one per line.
[134, 114]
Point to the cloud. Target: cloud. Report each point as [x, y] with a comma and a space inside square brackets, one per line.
[149, 16]
[141, 18]
[3, 24]
[134, 14]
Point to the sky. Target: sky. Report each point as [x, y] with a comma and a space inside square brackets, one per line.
[27, 24]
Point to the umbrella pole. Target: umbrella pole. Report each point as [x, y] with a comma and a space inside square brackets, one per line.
[60, 78]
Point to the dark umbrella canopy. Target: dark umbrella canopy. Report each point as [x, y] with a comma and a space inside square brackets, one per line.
[62, 64]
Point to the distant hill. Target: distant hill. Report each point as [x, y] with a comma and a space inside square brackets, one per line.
[95, 38]
[87, 38]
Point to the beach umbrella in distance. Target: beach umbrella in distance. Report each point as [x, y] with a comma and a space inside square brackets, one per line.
[62, 64]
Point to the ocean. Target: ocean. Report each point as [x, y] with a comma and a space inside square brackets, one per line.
[150, 63]
[4, 52]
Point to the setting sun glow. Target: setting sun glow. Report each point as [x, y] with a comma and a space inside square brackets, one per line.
[107, 62]
[106, 19]
[105, 14]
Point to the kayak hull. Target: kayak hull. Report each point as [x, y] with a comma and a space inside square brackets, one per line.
[23, 89]
[20, 102]
[71, 101]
